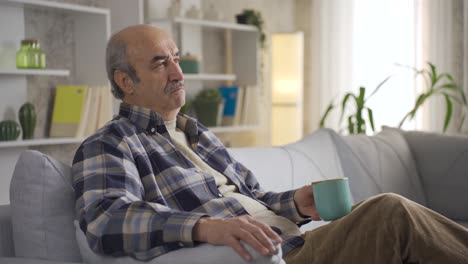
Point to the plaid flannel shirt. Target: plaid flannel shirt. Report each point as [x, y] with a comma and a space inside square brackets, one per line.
[137, 195]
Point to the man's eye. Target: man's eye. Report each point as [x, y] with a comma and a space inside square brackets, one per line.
[177, 60]
[158, 65]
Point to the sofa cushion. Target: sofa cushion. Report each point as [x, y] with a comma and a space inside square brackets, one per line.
[380, 164]
[314, 158]
[201, 254]
[260, 159]
[42, 209]
[442, 162]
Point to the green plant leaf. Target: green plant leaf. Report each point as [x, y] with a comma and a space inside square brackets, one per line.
[450, 86]
[421, 98]
[350, 125]
[456, 88]
[449, 76]
[371, 118]
[419, 101]
[433, 75]
[378, 87]
[448, 111]
[343, 104]
[360, 99]
[452, 96]
[325, 115]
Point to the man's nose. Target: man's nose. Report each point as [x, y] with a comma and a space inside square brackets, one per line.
[175, 72]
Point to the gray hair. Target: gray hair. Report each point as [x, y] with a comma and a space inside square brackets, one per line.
[117, 59]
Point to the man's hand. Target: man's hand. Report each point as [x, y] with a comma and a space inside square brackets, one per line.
[305, 203]
[231, 231]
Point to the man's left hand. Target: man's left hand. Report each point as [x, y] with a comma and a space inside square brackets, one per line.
[305, 203]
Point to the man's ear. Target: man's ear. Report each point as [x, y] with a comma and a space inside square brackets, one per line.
[124, 82]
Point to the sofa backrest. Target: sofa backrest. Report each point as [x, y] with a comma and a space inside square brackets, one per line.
[42, 209]
[442, 161]
[373, 164]
[283, 168]
[380, 164]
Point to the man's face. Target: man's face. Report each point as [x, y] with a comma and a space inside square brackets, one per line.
[156, 62]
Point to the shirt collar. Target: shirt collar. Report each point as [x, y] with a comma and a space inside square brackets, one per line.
[152, 122]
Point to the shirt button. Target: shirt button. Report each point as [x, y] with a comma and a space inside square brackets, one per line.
[181, 244]
[220, 195]
[152, 129]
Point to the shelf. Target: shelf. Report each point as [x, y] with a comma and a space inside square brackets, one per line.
[230, 129]
[214, 24]
[45, 72]
[57, 5]
[210, 77]
[40, 142]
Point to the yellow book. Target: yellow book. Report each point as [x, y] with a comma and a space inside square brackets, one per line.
[68, 108]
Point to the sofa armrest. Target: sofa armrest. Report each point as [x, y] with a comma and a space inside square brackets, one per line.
[30, 261]
[442, 162]
[6, 235]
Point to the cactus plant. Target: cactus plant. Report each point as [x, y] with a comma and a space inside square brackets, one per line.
[27, 118]
[9, 130]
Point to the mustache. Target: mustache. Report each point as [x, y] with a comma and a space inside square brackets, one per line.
[172, 86]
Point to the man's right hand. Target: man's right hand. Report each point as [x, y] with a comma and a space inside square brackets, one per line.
[231, 231]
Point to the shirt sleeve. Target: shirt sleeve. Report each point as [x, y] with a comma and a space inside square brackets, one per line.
[111, 209]
[282, 203]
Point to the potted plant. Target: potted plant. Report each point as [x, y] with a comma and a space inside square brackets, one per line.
[252, 17]
[356, 120]
[439, 84]
[208, 105]
[442, 84]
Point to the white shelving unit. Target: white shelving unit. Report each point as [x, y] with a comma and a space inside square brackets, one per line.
[39, 142]
[90, 30]
[57, 5]
[214, 24]
[210, 77]
[44, 72]
[245, 58]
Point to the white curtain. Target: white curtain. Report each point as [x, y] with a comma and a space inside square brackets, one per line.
[328, 52]
[442, 44]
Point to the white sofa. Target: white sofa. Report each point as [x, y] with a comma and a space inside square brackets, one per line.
[37, 227]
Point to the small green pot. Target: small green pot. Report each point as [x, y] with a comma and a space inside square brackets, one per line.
[9, 130]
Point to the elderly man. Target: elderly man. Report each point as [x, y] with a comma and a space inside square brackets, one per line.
[154, 180]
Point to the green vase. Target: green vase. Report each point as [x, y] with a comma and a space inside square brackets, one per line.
[9, 130]
[27, 118]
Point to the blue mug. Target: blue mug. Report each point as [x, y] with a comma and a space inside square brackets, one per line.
[332, 198]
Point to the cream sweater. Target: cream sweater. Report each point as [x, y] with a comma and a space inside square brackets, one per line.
[254, 208]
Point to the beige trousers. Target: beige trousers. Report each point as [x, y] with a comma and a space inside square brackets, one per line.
[387, 228]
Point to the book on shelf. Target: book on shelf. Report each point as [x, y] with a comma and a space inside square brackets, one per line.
[67, 111]
[239, 107]
[249, 110]
[97, 111]
[90, 111]
[230, 95]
